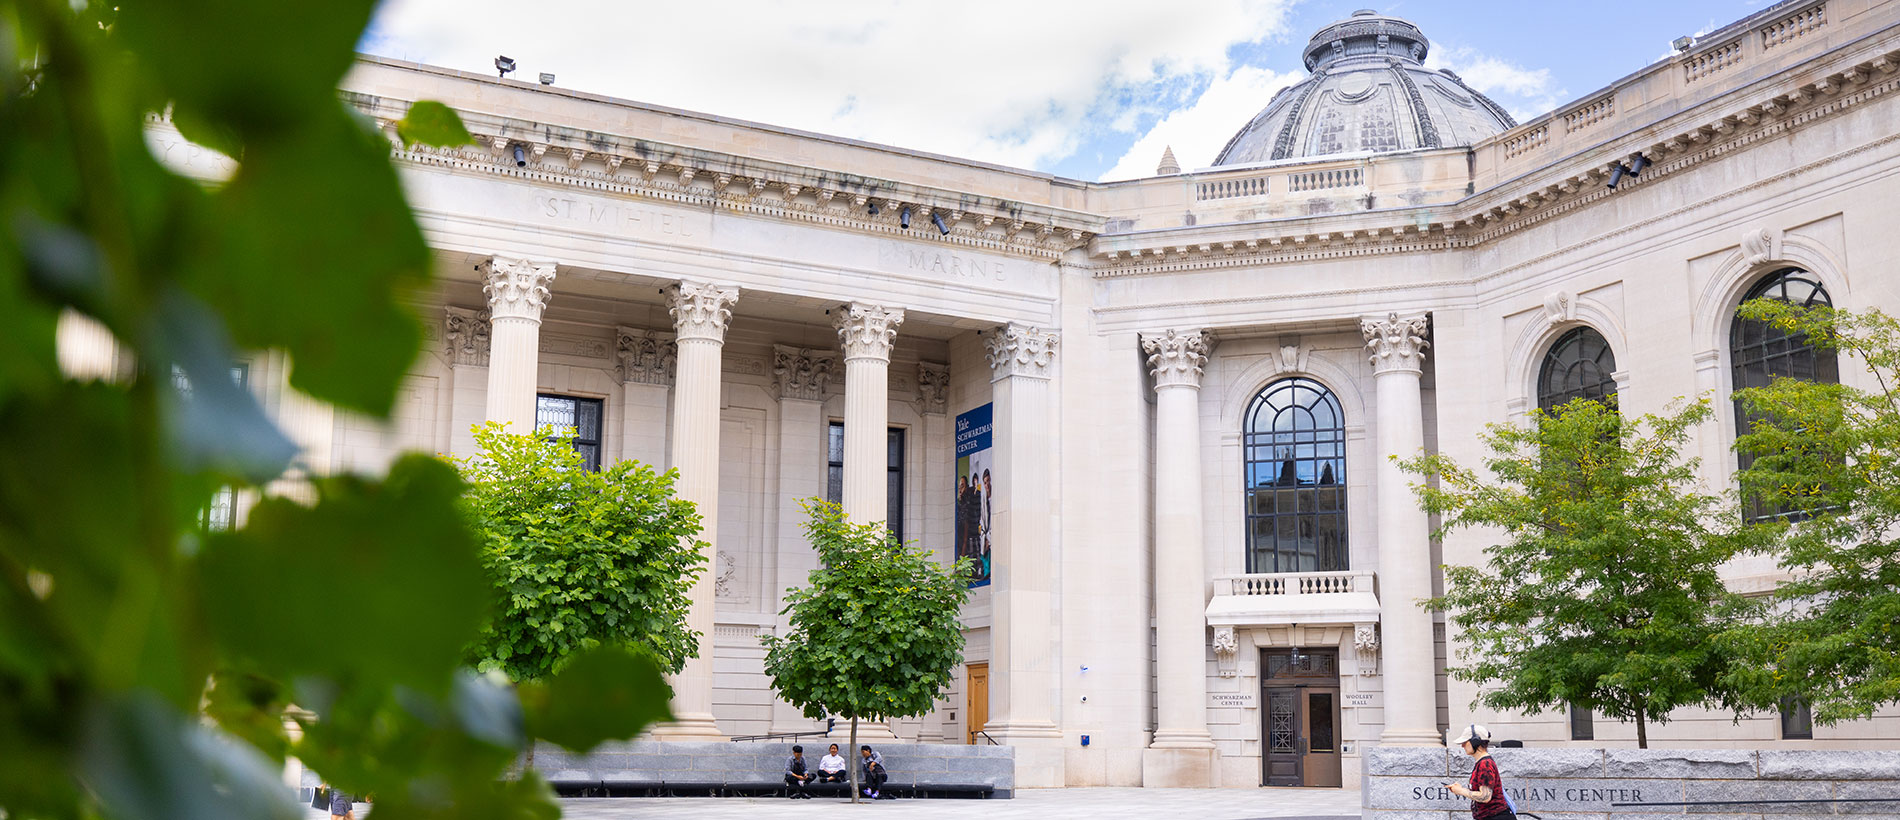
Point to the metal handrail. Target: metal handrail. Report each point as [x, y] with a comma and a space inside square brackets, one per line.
[779, 736]
[986, 736]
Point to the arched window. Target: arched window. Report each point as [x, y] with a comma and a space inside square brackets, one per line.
[1578, 366]
[1760, 353]
[1295, 442]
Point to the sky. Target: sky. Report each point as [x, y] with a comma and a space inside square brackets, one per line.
[1090, 90]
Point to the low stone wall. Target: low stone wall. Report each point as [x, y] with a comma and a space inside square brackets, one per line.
[649, 760]
[1587, 784]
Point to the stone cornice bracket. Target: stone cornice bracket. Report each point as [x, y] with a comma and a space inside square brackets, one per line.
[1020, 350]
[801, 373]
[866, 331]
[701, 311]
[644, 356]
[1365, 638]
[1176, 358]
[516, 288]
[933, 387]
[1396, 343]
[465, 336]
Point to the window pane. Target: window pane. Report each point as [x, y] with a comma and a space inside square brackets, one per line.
[1759, 353]
[1582, 723]
[1797, 723]
[1294, 471]
[1578, 365]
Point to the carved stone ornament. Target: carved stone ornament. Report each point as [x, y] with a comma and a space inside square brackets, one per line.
[644, 356]
[1560, 307]
[1365, 638]
[516, 288]
[728, 569]
[933, 387]
[465, 336]
[1176, 357]
[799, 373]
[866, 331]
[1020, 350]
[1226, 651]
[1395, 343]
[1758, 246]
[701, 311]
[1293, 357]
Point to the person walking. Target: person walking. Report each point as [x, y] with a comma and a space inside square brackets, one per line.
[341, 806]
[1486, 789]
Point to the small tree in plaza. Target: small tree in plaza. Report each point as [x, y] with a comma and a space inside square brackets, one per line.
[1602, 589]
[875, 634]
[1826, 466]
[577, 558]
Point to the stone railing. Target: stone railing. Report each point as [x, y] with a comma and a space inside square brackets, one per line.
[1709, 62]
[1324, 180]
[1588, 115]
[1295, 583]
[1595, 784]
[1802, 23]
[1230, 188]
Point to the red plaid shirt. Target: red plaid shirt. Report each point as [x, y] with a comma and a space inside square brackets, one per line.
[1485, 773]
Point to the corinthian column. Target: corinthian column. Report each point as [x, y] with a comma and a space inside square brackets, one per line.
[1022, 675]
[1397, 348]
[700, 315]
[517, 292]
[1182, 753]
[866, 333]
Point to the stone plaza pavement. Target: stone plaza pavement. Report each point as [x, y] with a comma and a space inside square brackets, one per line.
[1029, 804]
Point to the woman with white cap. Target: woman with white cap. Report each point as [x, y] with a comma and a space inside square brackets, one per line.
[1486, 789]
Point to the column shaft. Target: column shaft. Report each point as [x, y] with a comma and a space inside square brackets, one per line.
[866, 333]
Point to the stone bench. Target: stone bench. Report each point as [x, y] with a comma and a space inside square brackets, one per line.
[681, 769]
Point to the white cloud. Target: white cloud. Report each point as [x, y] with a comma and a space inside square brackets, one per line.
[1526, 93]
[982, 79]
[1198, 131]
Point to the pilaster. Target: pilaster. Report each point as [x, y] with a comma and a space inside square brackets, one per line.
[645, 362]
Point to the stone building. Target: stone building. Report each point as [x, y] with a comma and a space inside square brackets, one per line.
[1176, 394]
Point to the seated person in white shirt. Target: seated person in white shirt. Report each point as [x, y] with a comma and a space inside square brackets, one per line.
[831, 766]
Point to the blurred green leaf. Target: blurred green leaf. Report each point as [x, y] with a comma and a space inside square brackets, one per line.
[378, 581]
[147, 762]
[432, 123]
[606, 693]
[216, 424]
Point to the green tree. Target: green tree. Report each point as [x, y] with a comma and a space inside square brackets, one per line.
[1828, 456]
[577, 558]
[875, 634]
[145, 666]
[1602, 589]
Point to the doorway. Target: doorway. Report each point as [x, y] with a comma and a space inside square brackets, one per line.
[1300, 724]
[977, 701]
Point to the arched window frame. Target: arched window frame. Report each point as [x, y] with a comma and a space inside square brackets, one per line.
[1780, 354]
[1302, 468]
[1578, 338]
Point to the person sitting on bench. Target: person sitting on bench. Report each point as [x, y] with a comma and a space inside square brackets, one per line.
[796, 775]
[874, 774]
[831, 766]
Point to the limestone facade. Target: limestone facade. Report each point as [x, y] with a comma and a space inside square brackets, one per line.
[728, 291]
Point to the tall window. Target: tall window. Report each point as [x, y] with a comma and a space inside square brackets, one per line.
[1797, 723]
[1583, 723]
[1295, 444]
[1760, 353]
[567, 414]
[893, 474]
[1578, 366]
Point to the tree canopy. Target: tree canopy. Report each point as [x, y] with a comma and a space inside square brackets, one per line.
[577, 558]
[1602, 587]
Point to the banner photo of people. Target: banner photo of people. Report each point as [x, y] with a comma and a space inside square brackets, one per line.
[975, 487]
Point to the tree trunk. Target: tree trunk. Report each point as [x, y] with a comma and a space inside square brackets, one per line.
[860, 763]
[1642, 730]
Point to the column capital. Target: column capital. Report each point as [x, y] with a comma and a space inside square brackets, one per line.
[867, 331]
[1395, 343]
[933, 387]
[1020, 350]
[802, 373]
[644, 356]
[1176, 358]
[516, 288]
[464, 336]
[701, 311]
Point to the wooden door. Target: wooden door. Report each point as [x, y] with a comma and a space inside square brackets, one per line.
[978, 705]
[1319, 736]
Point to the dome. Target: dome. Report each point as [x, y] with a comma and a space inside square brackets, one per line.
[1369, 91]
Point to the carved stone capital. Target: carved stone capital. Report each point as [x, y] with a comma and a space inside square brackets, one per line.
[516, 288]
[1020, 350]
[933, 387]
[465, 336]
[1176, 357]
[1226, 651]
[866, 331]
[801, 373]
[1395, 343]
[701, 311]
[644, 356]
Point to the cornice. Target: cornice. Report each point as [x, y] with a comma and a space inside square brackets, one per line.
[651, 170]
[1501, 211]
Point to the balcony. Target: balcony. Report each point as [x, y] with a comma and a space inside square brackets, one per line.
[1285, 598]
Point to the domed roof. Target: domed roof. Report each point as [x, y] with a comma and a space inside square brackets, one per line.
[1369, 91]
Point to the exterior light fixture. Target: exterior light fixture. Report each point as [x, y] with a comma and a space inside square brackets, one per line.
[521, 157]
[1682, 43]
[941, 228]
[870, 208]
[504, 65]
[903, 218]
[1637, 164]
[1616, 174]
[546, 78]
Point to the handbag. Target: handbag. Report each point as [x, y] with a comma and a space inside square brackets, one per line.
[319, 798]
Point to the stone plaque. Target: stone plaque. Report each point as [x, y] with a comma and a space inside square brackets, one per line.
[1233, 700]
[1361, 700]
